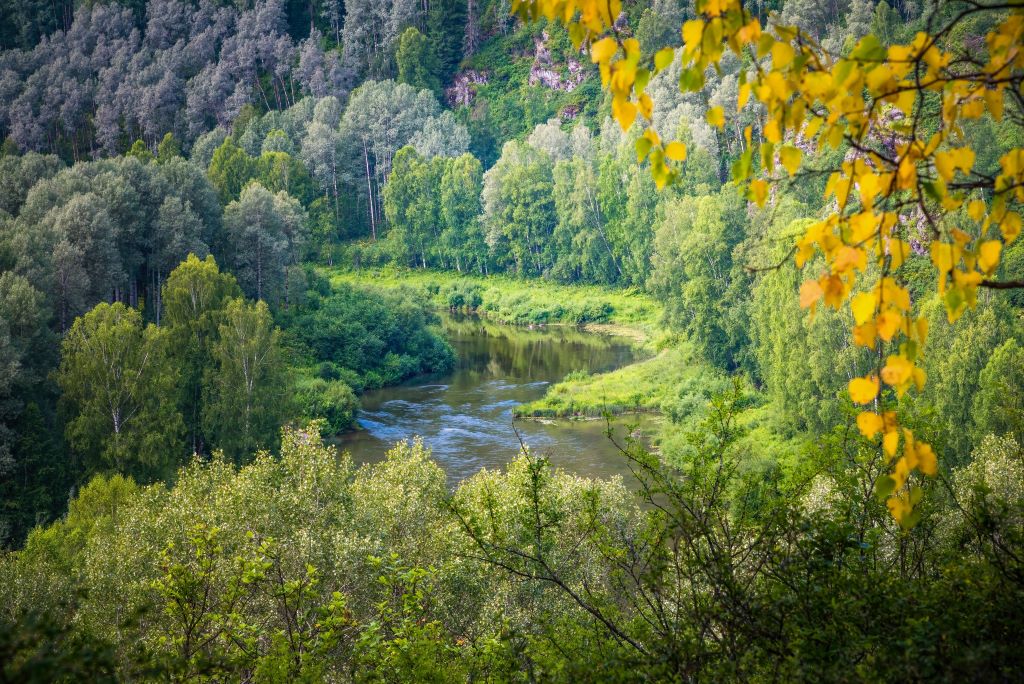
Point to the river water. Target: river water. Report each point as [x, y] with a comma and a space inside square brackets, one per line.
[465, 417]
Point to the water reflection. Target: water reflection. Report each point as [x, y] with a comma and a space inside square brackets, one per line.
[466, 417]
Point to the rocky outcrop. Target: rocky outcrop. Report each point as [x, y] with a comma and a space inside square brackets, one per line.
[544, 72]
[463, 90]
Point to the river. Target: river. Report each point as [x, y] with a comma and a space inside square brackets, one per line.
[465, 417]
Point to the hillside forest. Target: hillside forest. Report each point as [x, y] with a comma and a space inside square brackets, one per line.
[227, 226]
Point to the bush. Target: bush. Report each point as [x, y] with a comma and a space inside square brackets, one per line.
[330, 400]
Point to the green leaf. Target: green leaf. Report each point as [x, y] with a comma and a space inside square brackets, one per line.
[691, 80]
[869, 49]
[663, 58]
[643, 147]
[741, 167]
[884, 486]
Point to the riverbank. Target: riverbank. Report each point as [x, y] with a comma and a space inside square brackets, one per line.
[672, 383]
[629, 313]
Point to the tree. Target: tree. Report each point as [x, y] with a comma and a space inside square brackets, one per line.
[264, 236]
[901, 151]
[998, 408]
[445, 29]
[381, 118]
[417, 64]
[410, 204]
[178, 232]
[168, 148]
[140, 151]
[441, 136]
[584, 252]
[519, 211]
[230, 170]
[245, 400]
[118, 390]
[195, 295]
[459, 197]
[694, 273]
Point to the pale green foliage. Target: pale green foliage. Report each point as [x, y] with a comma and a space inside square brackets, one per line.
[999, 403]
[803, 361]
[245, 401]
[989, 491]
[417, 65]
[118, 388]
[694, 270]
[955, 366]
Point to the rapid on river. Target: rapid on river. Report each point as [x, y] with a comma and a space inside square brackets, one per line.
[465, 417]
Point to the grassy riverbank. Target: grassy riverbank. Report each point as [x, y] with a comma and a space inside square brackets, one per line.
[523, 302]
[673, 383]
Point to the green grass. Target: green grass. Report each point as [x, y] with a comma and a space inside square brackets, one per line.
[521, 302]
[674, 383]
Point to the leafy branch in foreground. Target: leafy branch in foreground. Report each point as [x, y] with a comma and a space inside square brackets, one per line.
[897, 111]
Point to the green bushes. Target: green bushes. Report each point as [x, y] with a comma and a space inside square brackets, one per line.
[369, 337]
[517, 301]
[330, 400]
[303, 568]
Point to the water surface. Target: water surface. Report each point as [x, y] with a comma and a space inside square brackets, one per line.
[465, 417]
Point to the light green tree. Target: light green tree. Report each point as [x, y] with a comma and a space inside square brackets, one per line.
[417, 63]
[118, 389]
[245, 399]
[194, 298]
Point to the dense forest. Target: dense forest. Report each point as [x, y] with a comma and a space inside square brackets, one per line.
[224, 222]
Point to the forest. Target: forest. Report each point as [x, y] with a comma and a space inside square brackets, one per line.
[768, 247]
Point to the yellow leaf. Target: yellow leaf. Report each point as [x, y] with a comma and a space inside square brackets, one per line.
[810, 292]
[897, 372]
[905, 101]
[863, 306]
[870, 185]
[946, 163]
[863, 225]
[601, 51]
[864, 390]
[942, 256]
[771, 131]
[864, 335]
[976, 210]
[782, 55]
[676, 151]
[716, 117]
[988, 255]
[899, 251]
[624, 112]
[790, 157]
[744, 95]
[693, 31]
[646, 105]
[926, 461]
[759, 191]
[835, 290]
[869, 424]
[891, 442]
[849, 258]
[994, 100]
[663, 57]
[1010, 226]
[888, 324]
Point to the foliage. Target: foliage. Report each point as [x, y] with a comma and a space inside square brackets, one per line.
[674, 383]
[245, 400]
[521, 302]
[118, 388]
[904, 154]
[377, 337]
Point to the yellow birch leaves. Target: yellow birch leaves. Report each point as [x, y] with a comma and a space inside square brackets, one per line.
[894, 178]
